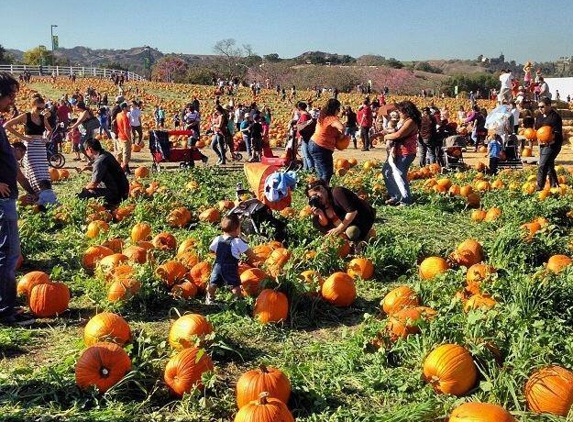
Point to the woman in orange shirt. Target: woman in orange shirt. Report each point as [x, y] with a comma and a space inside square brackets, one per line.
[321, 146]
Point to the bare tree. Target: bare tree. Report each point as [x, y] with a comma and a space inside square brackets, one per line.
[229, 54]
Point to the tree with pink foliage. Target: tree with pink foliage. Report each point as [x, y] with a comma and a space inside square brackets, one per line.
[170, 69]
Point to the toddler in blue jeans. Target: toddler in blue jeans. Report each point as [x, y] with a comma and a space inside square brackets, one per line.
[228, 248]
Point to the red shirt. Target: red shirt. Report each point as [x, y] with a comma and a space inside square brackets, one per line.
[364, 116]
[63, 112]
[123, 127]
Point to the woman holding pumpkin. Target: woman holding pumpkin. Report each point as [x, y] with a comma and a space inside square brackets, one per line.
[329, 129]
[549, 148]
[404, 142]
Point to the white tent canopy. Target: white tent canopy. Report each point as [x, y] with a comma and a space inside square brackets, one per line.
[563, 85]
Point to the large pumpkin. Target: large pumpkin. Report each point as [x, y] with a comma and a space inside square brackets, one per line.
[102, 365]
[468, 253]
[399, 298]
[545, 134]
[277, 260]
[186, 329]
[200, 274]
[339, 289]
[550, 390]
[31, 279]
[136, 254]
[264, 409]
[271, 306]
[252, 383]
[49, 299]
[184, 370]
[530, 134]
[361, 267]
[107, 326]
[433, 266]
[450, 369]
[480, 412]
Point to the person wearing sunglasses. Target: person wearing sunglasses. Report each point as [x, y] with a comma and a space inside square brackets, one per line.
[548, 151]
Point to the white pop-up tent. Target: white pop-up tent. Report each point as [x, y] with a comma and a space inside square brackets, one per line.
[563, 85]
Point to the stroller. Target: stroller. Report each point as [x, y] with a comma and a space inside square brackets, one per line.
[255, 213]
[452, 154]
[55, 158]
[510, 153]
[162, 151]
[289, 159]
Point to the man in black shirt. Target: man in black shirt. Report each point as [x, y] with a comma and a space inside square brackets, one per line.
[549, 151]
[106, 170]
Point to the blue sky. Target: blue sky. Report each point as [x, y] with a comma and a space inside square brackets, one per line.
[405, 29]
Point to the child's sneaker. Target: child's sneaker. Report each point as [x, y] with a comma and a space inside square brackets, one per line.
[209, 300]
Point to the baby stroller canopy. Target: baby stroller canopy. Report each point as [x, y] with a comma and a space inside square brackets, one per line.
[271, 187]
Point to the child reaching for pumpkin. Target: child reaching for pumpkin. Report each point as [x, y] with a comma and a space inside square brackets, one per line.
[228, 249]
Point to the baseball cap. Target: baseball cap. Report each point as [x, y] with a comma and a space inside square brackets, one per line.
[119, 99]
[124, 105]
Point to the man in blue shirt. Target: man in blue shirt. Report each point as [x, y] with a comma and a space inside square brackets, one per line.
[9, 239]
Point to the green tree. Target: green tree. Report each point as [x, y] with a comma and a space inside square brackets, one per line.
[5, 58]
[272, 58]
[38, 56]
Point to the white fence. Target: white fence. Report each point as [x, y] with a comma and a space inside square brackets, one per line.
[79, 71]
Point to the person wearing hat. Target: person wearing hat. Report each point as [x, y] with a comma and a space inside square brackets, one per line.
[123, 141]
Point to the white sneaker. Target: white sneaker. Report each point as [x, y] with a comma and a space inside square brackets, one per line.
[208, 300]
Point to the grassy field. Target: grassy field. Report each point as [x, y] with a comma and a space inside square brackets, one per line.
[341, 361]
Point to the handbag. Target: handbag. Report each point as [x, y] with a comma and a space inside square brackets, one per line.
[306, 129]
[91, 124]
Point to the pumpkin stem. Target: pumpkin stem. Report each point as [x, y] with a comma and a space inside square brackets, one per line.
[104, 372]
[263, 368]
[263, 397]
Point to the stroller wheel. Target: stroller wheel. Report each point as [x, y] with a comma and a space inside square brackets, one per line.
[57, 160]
[238, 156]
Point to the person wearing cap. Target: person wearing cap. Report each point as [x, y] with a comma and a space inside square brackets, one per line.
[245, 129]
[123, 141]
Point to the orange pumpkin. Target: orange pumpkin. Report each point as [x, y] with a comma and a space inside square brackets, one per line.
[558, 263]
[450, 369]
[478, 215]
[399, 298]
[200, 274]
[342, 143]
[140, 231]
[405, 321]
[93, 255]
[432, 267]
[210, 215]
[187, 329]
[263, 379]
[171, 272]
[185, 290]
[550, 390]
[95, 228]
[480, 412]
[136, 254]
[141, 172]
[479, 301]
[102, 366]
[107, 326]
[264, 409]
[49, 299]
[361, 267]
[165, 242]
[530, 134]
[122, 289]
[29, 280]
[277, 260]
[545, 134]
[251, 280]
[271, 306]
[184, 370]
[339, 289]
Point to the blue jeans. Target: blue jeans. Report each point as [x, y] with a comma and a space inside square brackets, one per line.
[9, 254]
[323, 162]
[218, 145]
[427, 150]
[247, 141]
[396, 179]
[307, 161]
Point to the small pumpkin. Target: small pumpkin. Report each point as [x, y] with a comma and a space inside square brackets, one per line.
[264, 408]
[93, 255]
[171, 272]
[186, 328]
[185, 290]
[399, 298]
[450, 369]
[558, 263]
[210, 215]
[432, 267]
[102, 366]
[107, 326]
[184, 370]
[263, 379]
[271, 306]
[251, 280]
[136, 254]
[361, 267]
[406, 321]
[140, 231]
[200, 274]
[339, 289]
[165, 242]
[96, 228]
